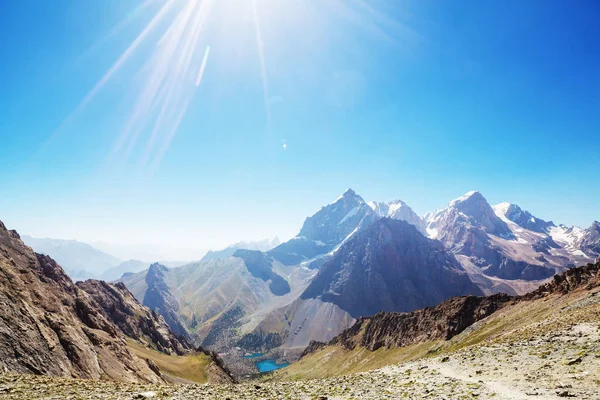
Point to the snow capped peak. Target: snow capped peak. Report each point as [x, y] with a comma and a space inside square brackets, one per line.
[349, 194]
[473, 195]
[502, 208]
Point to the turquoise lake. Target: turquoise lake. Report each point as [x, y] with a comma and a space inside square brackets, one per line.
[270, 365]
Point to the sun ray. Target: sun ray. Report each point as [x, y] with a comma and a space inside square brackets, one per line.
[263, 69]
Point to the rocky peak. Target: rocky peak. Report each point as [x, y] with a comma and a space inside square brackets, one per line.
[350, 195]
[590, 240]
[523, 218]
[389, 266]
[157, 271]
[468, 212]
[50, 326]
[134, 320]
[334, 222]
[397, 209]
[158, 297]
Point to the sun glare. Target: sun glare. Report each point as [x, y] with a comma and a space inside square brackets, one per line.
[176, 53]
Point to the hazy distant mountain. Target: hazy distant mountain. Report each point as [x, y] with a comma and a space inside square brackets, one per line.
[151, 252]
[79, 260]
[127, 266]
[134, 266]
[261, 245]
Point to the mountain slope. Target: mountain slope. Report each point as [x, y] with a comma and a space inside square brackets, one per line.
[130, 266]
[569, 299]
[158, 297]
[94, 330]
[389, 267]
[221, 299]
[51, 326]
[134, 320]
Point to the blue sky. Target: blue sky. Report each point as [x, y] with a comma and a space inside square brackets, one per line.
[418, 100]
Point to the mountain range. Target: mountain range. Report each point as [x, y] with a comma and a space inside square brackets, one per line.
[353, 258]
[85, 261]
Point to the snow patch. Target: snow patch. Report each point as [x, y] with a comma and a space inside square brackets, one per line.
[350, 213]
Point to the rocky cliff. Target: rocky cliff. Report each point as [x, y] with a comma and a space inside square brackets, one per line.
[51, 326]
[134, 320]
[158, 297]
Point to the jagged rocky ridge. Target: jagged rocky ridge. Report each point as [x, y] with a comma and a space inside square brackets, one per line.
[158, 297]
[52, 326]
[449, 318]
[134, 320]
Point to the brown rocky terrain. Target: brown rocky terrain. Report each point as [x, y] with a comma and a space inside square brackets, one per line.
[52, 326]
[134, 320]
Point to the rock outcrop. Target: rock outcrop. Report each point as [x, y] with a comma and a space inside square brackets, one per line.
[444, 321]
[587, 276]
[134, 320]
[451, 317]
[50, 326]
[158, 297]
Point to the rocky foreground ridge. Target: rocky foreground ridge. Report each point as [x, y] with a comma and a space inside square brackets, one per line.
[52, 326]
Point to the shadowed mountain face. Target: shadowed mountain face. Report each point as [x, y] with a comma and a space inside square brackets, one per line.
[389, 267]
[451, 317]
[158, 297]
[259, 265]
[51, 326]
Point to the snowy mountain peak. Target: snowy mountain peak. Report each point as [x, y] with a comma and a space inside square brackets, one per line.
[469, 197]
[502, 208]
[397, 209]
[351, 195]
[523, 218]
[469, 210]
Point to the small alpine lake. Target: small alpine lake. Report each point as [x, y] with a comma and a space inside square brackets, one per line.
[270, 365]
